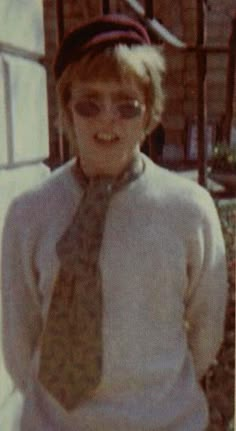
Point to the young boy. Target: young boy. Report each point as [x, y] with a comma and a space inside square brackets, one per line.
[114, 276]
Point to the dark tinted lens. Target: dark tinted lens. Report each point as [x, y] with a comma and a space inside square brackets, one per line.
[130, 109]
[87, 108]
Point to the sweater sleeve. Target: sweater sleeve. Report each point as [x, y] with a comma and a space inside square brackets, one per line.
[207, 290]
[21, 320]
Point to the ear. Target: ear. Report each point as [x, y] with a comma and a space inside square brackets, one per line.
[69, 113]
[151, 122]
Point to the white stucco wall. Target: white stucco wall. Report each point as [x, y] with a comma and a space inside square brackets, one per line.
[23, 131]
[25, 104]
[21, 24]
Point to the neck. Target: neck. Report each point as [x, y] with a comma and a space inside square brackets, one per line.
[113, 173]
[133, 170]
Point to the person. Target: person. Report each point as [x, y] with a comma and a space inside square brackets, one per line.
[113, 247]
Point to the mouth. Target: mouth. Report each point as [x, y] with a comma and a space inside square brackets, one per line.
[106, 138]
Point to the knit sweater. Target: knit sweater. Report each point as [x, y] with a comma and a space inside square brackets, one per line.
[163, 271]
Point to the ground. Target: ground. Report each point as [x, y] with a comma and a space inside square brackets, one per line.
[219, 382]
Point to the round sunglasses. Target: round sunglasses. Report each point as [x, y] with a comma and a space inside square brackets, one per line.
[90, 108]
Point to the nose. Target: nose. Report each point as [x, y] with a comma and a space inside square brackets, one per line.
[108, 112]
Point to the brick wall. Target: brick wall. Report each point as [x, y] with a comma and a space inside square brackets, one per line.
[180, 18]
[50, 31]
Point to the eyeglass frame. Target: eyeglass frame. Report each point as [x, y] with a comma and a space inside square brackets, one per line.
[99, 107]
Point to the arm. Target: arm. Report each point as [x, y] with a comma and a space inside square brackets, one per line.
[207, 291]
[21, 321]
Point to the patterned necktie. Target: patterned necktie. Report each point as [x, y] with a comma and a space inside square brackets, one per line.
[71, 342]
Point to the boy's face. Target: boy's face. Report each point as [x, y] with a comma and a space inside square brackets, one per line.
[109, 121]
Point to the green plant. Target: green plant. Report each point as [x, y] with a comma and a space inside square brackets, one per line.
[231, 426]
[224, 158]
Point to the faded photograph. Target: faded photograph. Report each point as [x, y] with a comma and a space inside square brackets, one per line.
[117, 215]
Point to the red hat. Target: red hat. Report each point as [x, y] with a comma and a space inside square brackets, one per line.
[101, 32]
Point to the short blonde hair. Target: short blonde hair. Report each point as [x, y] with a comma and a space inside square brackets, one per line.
[144, 63]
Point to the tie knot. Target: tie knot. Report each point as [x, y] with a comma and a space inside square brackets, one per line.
[107, 184]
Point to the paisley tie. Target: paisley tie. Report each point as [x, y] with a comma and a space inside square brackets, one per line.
[71, 343]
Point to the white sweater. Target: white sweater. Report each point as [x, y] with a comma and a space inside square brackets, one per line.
[164, 285]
